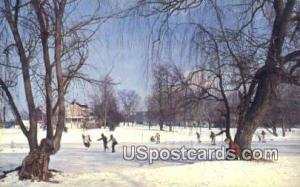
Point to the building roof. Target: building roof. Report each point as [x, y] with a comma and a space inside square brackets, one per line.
[80, 105]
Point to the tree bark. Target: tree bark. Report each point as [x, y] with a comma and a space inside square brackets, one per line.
[35, 164]
[59, 10]
[43, 23]
[248, 124]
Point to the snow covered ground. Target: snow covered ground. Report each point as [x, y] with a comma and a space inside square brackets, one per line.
[93, 167]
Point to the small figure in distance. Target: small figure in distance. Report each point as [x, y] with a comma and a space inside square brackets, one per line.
[113, 143]
[157, 136]
[104, 139]
[198, 137]
[86, 140]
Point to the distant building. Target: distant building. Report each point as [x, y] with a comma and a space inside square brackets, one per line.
[77, 115]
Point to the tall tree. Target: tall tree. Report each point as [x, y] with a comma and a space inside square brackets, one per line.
[259, 59]
[105, 104]
[130, 100]
[43, 30]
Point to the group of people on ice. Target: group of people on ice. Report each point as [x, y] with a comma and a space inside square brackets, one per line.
[212, 137]
[87, 141]
[261, 137]
[112, 139]
[233, 147]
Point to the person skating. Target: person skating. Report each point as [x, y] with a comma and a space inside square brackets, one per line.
[258, 137]
[213, 138]
[263, 138]
[104, 139]
[198, 137]
[233, 148]
[157, 136]
[113, 143]
[152, 139]
[86, 140]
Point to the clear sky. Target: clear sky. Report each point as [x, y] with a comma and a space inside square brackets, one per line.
[121, 52]
[121, 47]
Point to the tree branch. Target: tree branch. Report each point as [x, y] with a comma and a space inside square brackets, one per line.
[14, 107]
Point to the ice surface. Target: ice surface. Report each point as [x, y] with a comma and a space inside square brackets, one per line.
[82, 166]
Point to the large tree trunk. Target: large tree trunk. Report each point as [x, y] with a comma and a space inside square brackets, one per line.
[245, 133]
[248, 123]
[35, 164]
[227, 124]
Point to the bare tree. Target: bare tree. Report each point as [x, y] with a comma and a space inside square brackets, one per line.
[279, 67]
[105, 104]
[161, 92]
[152, 114]
[45, 30]
[167, 99]
[249, 61]
[283, 111]
[130, 100]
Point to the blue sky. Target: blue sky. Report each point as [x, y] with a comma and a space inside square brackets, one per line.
[121, 46]
[121, 51]
[118, 47]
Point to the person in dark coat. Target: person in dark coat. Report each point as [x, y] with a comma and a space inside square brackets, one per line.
[198, 137]
[113, 143]
[152, 139]
[104, 139]
[213, 138]
[263, 136]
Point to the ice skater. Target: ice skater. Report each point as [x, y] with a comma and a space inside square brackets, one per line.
[152, 139]
[86, 140]
[198, 137]
[157, 136]
[213, 138]
[104, 139]
[263, 136]
[113, 143]
[259, 137]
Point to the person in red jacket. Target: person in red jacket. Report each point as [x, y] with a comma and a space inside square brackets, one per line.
[233, 148]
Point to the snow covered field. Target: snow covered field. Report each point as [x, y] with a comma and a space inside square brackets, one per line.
[93, 167]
